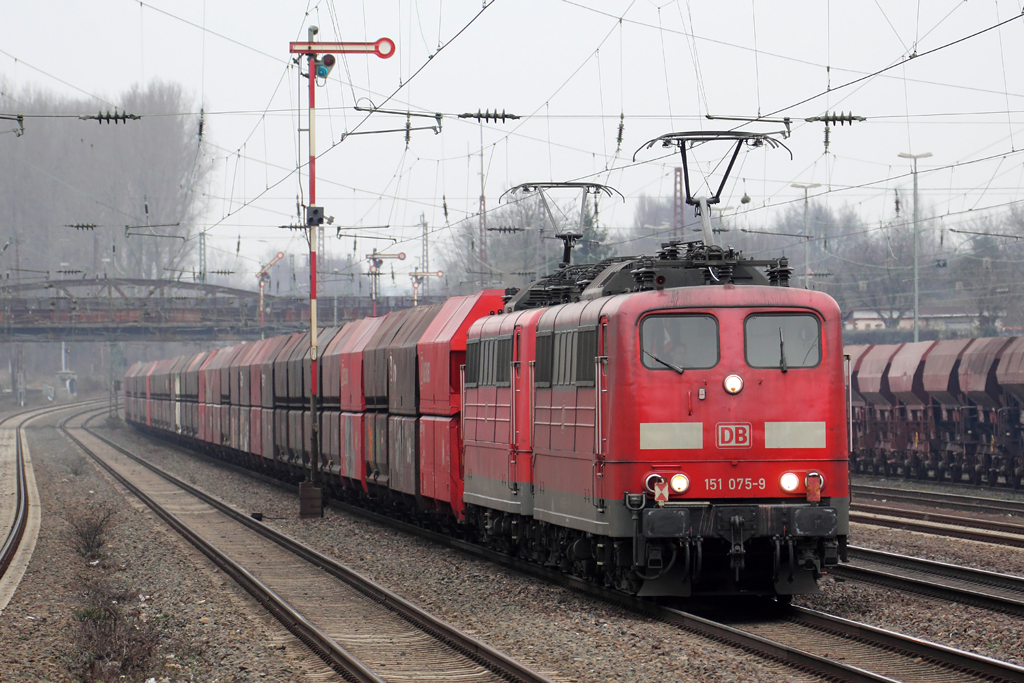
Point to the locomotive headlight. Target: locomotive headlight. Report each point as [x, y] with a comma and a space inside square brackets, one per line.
[789, 482]
[679, 483]
[651, 480]
[733, 384]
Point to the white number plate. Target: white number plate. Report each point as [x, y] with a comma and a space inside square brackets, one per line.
[735, 484]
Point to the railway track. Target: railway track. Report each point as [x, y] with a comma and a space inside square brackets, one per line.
[989, 590]
[956, 526]
[363, 631]
[806, 640]
[953, 501]
[855, 651]
[14, 520]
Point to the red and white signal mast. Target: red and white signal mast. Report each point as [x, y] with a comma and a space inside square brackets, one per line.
[321, 60]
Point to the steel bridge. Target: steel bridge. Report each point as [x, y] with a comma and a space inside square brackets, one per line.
[128, 309]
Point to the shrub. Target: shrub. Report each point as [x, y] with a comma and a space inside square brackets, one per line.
[76, 465]
[111, 640]
[89, 527]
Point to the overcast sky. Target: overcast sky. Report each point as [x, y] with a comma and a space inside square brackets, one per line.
[570, 70]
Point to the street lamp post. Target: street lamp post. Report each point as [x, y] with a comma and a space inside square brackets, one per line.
[807, 236]
[915, 157]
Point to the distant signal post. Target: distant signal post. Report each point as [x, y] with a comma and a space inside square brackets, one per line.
[320, 59]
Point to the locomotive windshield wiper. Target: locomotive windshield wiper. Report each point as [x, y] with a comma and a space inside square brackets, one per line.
[782, 350]
[663, 362]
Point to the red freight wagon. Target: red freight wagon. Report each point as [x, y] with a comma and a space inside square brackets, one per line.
[375, 365]
[181, 364]
[205, 377]
[978, 370]
[281, 367]
[323, 341]
[238, 373]
[224, 367]
[402, 363]
[261, 373]
[350, 362]
[351, 459]
[249, 375]
[375, 443]
[192, 376]
[442, 350]
[296, 395]
[330, 372]
[1010, 373]
[906, 374]
[872, 376]
[330, 435]
[942, 372]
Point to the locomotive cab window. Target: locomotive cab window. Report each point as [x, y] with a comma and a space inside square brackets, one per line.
[788, 340]
[679, 342]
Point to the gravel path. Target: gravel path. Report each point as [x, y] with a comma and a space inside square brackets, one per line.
[569, 637]
[197, 625]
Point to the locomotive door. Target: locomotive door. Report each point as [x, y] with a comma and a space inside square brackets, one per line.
[600, 380]
[515, 388]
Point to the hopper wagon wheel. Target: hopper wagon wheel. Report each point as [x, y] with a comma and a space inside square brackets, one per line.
[993, 477]
[975, 476]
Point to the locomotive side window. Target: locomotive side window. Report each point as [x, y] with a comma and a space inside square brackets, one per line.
[586, 353]
[545, 344]
[487, 362]
[679, 342]
[472, 362]
[502, 372]
[790, 340]
[564, 371]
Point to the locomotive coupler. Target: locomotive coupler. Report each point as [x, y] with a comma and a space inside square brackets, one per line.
[777, 546]
[831, 555]
[698, 563]
[635, 503]
[737, 553]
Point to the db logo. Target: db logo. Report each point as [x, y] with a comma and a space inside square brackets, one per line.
[735, 435]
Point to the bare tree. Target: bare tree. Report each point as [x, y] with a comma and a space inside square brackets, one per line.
[66, 171]
[986, 273]
[521, 244]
